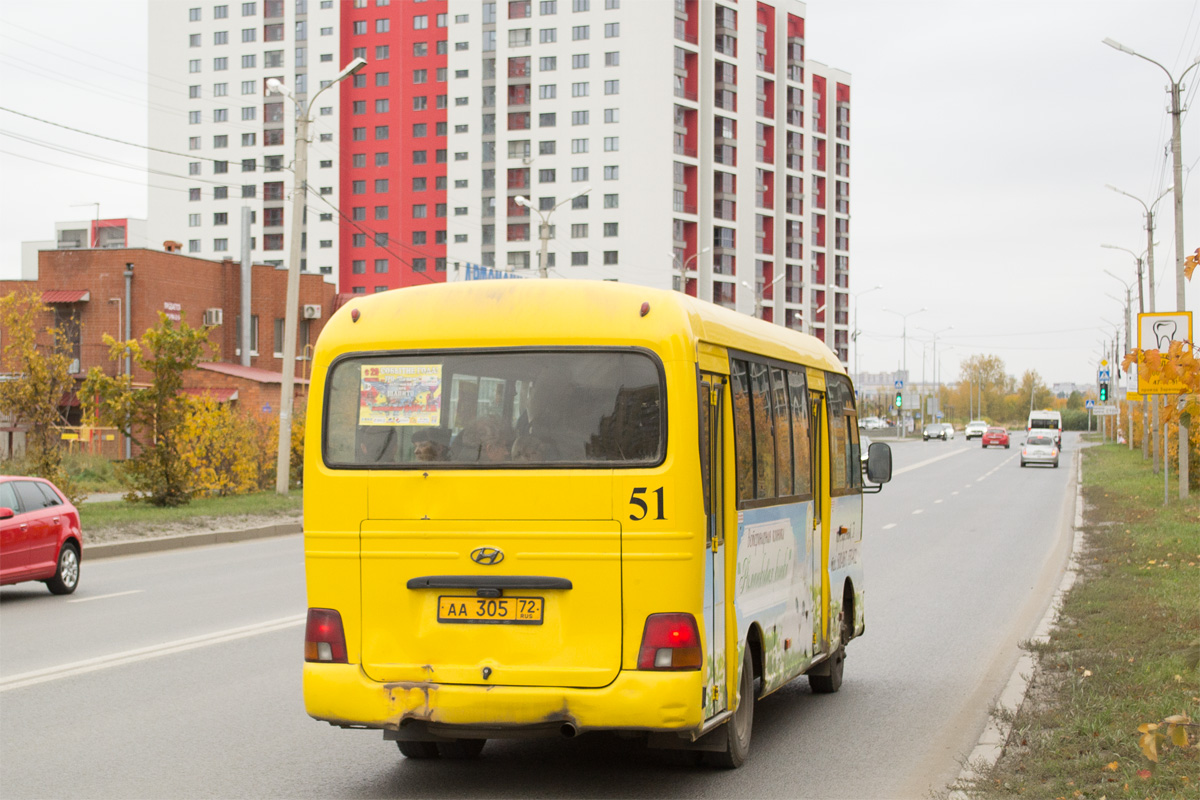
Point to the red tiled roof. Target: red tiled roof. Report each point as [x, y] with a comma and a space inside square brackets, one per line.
[221, 395]
[249, 373]
[66, 296]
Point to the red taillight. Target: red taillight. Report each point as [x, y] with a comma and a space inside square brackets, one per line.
[670, 642]
[324, 638]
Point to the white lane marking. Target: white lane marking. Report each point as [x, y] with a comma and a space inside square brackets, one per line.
[954, 492]
[105, 596]
[71, 670]
[920, 464]
[919, 511]
[889, 525]
[935, 502]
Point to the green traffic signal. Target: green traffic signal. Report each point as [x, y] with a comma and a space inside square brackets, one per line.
[1103, 392]
[899, 400]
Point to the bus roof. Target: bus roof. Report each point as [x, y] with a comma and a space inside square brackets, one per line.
[530, 312]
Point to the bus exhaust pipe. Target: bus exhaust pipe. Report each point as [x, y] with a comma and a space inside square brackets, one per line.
[568, 731]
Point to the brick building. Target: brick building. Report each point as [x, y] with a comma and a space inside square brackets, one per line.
[85, 290]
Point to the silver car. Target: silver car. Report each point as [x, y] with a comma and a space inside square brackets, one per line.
[976, 427]
[1040, 448]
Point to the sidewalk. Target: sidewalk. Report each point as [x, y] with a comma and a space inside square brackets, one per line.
[135, 546]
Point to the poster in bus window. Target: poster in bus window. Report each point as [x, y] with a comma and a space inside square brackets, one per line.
[400, 395]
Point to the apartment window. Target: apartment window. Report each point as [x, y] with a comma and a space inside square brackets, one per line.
[420, 211]
[360, 27]
[579, 118]
[547, 148]
[220, 12]
[579, 231]
[580, 61]
[358, 160]
[381, 185]
[381, 212]
[612, 173]
[193, 15]
[193, 220]
[612, 143]
[546, 175]
[359, 107]
[381, 239]
[273, 190]
[220, 37]
[193, 117]
[610, 257]
[381, 159]
[358, 213]
[358, 187]
[358, 240]
[519, 37]
[580, 202]
[248, 62]
[382, 105]
[382, 52]
[220, 167]
[381, 78]
[548, 35]
[249, 113]
[248, 139]
[611, 201]
[194, 40]
[193, 194]
[193, 143]
[580, 5]
[381, 266]
[580, 33]
[439, 156]
[547, 120]
[421, 22]
[248, 87]
[273, 138]
[359, 134]
[548, 7]
[548, 63]
[249, 9]
[612, 30]
[612, 59]
[579, 145]
[419, 184]
[381, 132]
[272, 241]
[610, 229]
[383, 25]
[420, 157]
[418, 237]
[420, 103]
[194, 65]
[612, 87]
[579, 174]
[220, 142]
[273, 33]
[579, 258]
[420, 75]
[358, 267]
[612, 115]
[548, 91]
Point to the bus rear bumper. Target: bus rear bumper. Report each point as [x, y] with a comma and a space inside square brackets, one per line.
[653, 702]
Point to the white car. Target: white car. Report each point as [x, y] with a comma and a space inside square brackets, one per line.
[1040, 448]
[870, 423]
[976, 428]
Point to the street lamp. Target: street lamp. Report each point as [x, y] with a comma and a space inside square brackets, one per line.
[1149, 254]
[544, 228]
[937, 378]
[905, 346]
[291, 309]
[1177, 176]
[812, 324]
[760, 291]
[854, 335]
[683, 266]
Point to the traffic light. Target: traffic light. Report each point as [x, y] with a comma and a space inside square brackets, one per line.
[1103, 391]
[899, 400]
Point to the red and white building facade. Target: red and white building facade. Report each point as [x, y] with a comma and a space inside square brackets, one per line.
[709, 146]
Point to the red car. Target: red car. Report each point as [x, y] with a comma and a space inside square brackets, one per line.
[994, 436]
[40, 537]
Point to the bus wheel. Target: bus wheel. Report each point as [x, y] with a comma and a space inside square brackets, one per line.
[832, 680]
[418, 749]
[739, 727]
[461, 748]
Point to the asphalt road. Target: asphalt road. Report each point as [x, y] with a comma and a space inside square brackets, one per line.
[177, 674]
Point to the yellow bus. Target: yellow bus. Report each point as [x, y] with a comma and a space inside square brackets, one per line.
[546, 508]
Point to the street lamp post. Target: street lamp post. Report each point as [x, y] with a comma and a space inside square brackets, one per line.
[1177, 186]
[1149, 254]
[854, 336]
[937, 378]
[544, 227]
[760, 291]
[1128, 346]
[905, 349]
[683, 266]
[291, 309]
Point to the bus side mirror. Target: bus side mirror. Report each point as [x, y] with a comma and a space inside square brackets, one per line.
[879, 463]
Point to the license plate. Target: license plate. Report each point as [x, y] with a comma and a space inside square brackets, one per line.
[491, 610]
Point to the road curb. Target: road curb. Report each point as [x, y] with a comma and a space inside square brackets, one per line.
[162, 543]
[991, 743]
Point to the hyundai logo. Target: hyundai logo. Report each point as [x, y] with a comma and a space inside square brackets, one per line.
[488, 556]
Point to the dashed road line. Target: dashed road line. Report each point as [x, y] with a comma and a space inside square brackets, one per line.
[105, 596]
[889, 526]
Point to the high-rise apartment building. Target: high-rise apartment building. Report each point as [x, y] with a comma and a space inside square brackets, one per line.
[687, 143]
[209, 65]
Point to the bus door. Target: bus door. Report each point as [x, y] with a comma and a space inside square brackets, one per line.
[712, 465]
[816, 554]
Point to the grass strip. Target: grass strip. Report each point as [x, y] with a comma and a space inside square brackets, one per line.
[1124, 654]
[144, 519]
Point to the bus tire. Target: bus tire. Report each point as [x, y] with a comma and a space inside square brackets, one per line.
[462, 749]
[831, 681]
[741, 724]
[410, 749]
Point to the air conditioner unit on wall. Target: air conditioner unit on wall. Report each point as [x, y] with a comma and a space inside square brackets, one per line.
[312, 311]
[213, 316]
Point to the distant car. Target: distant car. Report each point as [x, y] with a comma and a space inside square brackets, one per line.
[864, 444]
[871, 423]
[40, 537]
[938, 430]
[994, 436]
[1040, 449]
[976, 427]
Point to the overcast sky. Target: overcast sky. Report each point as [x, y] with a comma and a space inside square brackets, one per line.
[982, 137]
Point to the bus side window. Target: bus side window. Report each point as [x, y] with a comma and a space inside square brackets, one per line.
[764, 433]
[801, 446]
[783, 433]
[743, 430]
[845, 472]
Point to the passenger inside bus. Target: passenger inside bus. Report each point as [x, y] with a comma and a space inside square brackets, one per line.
[484, 440]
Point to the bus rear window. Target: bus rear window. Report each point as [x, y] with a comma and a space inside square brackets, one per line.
[497, 409]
